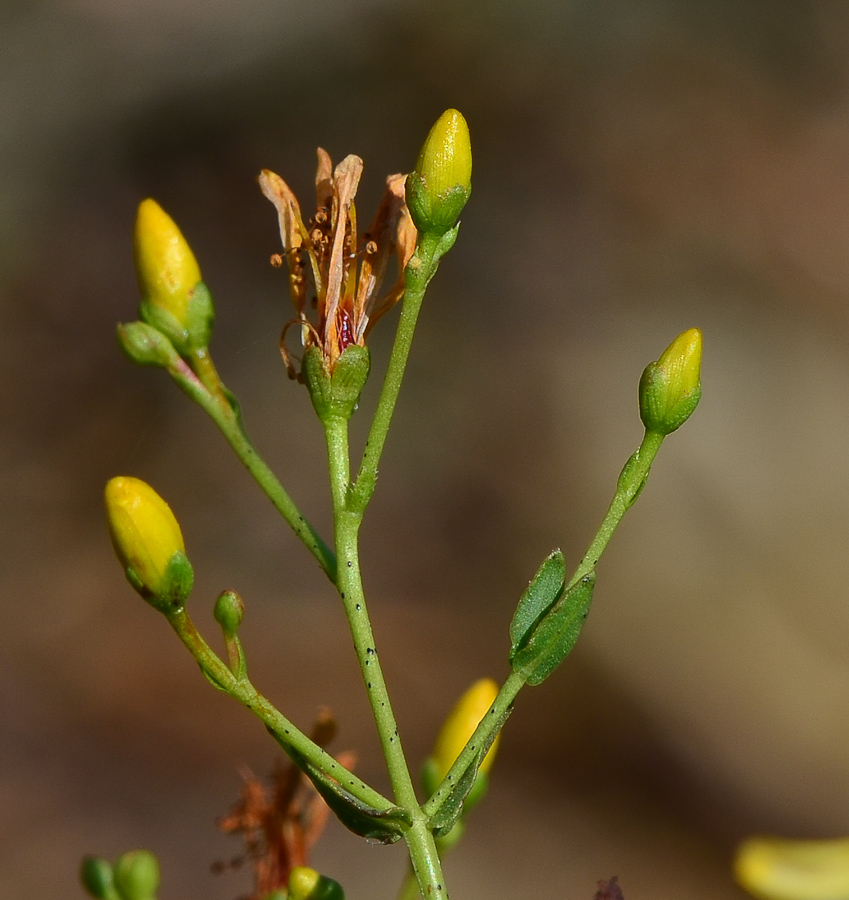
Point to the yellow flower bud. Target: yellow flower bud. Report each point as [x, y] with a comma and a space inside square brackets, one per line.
[461, 724]
[148, 542]
[307, 884]
[174, 299]
[166, 267]
[670, 389]
[441, 184]
[780, 869]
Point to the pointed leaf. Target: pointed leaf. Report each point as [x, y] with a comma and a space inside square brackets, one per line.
[554, 636]
[539, 596]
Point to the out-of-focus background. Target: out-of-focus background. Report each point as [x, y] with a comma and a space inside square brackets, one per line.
[639, 169]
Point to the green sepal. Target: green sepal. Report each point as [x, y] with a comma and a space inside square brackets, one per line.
[555, 634]
[147, 346]
[168, 324]
[434, 213]
[136, 875]
[466, 791]
[336, 394]
[97, 878]
[324, 889]
[200, 316]
[539, 596]
[189, 335]
[381, 826]
[177, 585]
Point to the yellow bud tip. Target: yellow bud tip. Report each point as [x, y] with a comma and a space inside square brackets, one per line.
[780, 869]
[144, 531]
[165, 265]
[682, 360]
[461, 724]
[670, 388]
[446, 158]
[302, 882]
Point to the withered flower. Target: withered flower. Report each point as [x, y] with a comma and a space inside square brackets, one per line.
[346, 269]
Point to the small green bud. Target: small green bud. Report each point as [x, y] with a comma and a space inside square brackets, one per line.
[137, 875]
[148, 543]
[780, 869]
[96, 878]
[440, 185]
[229, 612]
[174, 299]
[461, 724]
[307, 884]
[670, 388]
[146, 346]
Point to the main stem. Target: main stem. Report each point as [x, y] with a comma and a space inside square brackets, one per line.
[420, 842]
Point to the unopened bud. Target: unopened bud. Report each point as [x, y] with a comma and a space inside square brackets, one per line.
[148, 543]
[440, 185]
[781, 869]
[307, 884]
[174, 299]
[670, 388]
[228, 612]
[137, 875]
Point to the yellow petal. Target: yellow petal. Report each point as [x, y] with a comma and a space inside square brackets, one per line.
[780, 869]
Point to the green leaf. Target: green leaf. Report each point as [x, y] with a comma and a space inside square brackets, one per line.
[556, 633]
[382, 826]
[540, 595]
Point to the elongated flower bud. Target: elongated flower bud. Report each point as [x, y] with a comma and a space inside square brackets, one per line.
[148, 543]
[670, 389]
[174, 299]
[440, 185]
[461, 724]
[781, 869]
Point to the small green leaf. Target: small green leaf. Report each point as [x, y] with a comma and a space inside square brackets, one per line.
[383, 826]
[539, 596]
[556, 633]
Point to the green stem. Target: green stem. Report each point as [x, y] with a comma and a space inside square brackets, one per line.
[283, 730]
[420, 842]
[220, 410]
[494, 715]
[419, 271]
[629, 485]
[631, 481]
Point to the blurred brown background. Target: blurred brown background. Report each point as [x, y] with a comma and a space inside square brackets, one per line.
[639, 169]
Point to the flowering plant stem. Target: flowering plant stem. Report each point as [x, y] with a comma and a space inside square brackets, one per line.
[417, 275]
[282, 729]
[222, 408]
[628, 487]
[349, 503]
